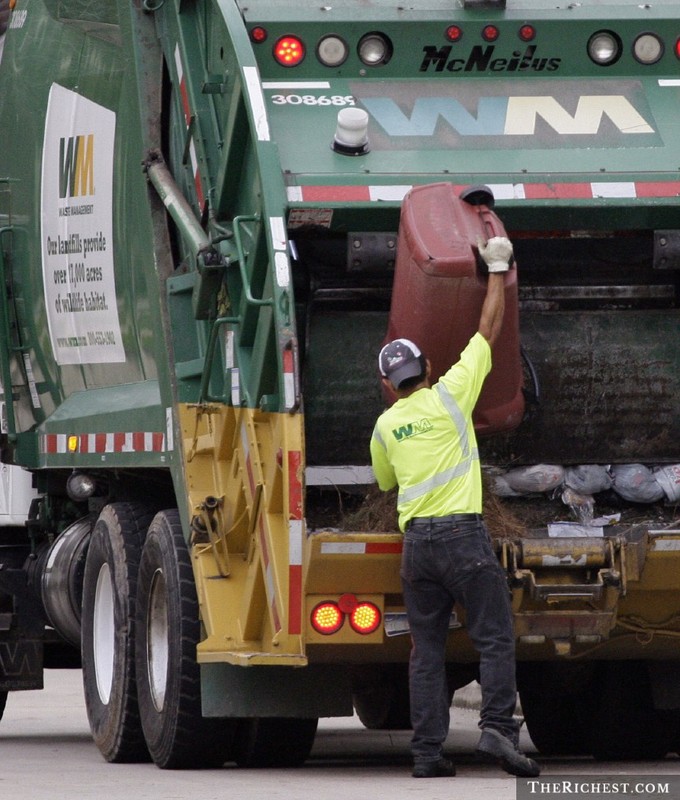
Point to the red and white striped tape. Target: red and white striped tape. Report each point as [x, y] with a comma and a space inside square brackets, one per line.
[606, 190]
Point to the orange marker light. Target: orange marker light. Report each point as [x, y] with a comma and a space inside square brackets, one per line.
[327, 618]
[365, 618]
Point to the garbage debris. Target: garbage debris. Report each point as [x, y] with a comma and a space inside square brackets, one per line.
[636, 483]
[582, 505]
[577, 529]
[587, 478]
[669, 479]
[577, 484]
[536, 478]
[573, 529]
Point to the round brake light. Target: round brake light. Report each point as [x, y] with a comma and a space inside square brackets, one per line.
[327, 618]
[365, 618]
[490, 33]
[454, 33]
[258, 34]
[527, 33]
[289, 51]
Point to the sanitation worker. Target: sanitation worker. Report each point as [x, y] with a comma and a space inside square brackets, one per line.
[447, 555]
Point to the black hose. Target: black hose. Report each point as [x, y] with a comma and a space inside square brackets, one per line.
[531, 397]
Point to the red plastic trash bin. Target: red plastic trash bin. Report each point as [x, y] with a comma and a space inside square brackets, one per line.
[439, 287]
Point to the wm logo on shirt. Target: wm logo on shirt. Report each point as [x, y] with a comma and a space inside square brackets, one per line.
[412, 429]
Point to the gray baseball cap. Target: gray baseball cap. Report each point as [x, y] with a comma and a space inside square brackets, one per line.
[399, 360]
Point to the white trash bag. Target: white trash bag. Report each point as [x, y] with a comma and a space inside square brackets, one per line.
[587, 478]
[636, 483]
[536, 478]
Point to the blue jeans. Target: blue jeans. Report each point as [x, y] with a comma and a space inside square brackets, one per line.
[443, 563]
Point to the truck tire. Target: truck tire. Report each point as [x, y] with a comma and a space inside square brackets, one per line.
[559, 703]
[627, 726]
[168, 630]
[108, 632]
[274, 741]
[382, 698]
[3, 702]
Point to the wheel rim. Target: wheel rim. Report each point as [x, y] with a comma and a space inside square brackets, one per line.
[157, 640]
[104, 633]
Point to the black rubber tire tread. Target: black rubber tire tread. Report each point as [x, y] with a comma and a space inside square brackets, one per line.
[178, 736]
[559, 703]
[274, 741]
[3, 702]
[381, 697]
[382, 702]
[628, 727]
[116, 540]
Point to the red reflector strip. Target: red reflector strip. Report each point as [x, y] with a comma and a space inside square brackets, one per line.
[384, 547]
[289, 379]
[118, 442]
[186, 107]
[360, 548]
[269, 576]
[501, 191]
[295, 529]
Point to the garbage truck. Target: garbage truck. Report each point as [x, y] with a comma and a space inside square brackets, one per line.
[212, 215]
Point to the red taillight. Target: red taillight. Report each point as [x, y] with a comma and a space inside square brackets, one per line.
[527, 33]
[327, 618]
[677, 48]
[490, 33]
[365, 618]
[258, 34]
[289, 51]
[454, 33]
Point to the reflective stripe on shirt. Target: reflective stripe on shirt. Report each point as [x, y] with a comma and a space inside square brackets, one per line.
[437, 481]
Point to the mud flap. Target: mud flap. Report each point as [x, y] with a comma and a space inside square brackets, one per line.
[21, 636]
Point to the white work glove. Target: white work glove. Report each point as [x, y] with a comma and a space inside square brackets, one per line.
[496, 253]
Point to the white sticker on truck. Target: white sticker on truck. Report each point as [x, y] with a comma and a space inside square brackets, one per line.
[77, 230]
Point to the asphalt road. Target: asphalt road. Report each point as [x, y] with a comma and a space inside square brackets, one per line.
[47, 754]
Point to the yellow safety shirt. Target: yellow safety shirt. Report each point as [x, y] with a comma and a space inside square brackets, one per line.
[425, 443]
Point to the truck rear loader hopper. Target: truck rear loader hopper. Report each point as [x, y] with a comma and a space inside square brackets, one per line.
[206, 211]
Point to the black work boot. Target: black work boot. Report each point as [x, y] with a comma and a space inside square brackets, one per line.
[493, 745]
[434, 769]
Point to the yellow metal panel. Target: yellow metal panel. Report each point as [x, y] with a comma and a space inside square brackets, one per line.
[243, 470]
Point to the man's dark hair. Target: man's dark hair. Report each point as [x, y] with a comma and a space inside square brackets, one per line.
[409, 383]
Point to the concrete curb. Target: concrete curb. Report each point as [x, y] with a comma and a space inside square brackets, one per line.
[469, 698]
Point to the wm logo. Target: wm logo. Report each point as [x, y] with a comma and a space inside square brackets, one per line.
[412, 429]
[76, 166]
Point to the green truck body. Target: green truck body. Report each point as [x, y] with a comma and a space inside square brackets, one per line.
[200, 215]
